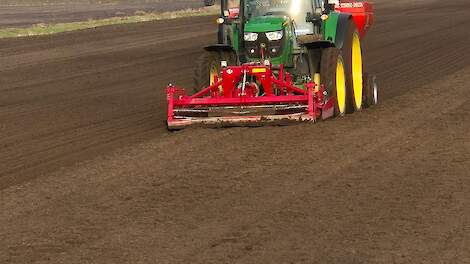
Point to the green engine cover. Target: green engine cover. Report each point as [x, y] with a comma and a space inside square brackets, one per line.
[330, 27]
[264, 24]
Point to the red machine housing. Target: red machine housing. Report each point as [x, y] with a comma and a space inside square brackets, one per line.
[362, 13]
[235, 101]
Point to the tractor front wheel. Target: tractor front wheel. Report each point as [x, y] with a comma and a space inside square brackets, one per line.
[209, 66]
[333, 78]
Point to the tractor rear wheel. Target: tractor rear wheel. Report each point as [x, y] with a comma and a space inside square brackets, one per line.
[333, 78]
[208, 66]
[352, 53]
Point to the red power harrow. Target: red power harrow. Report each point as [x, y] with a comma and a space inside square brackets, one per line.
[233, 100]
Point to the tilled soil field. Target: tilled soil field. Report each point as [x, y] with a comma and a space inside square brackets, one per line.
[26, 13]
[89, 174]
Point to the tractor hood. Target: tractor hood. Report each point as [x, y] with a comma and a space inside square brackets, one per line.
[265, 24]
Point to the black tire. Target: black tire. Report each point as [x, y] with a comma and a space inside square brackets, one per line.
[347, 52]
[371, 96]
[230, 57]
[328, 72]
[314, 58]
[206, 62]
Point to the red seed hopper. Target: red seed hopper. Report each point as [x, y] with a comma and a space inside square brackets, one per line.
[361, 12]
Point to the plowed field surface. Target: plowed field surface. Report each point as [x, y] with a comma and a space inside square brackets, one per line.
[89, 174]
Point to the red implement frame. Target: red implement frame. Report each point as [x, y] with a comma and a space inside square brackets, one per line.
[233, 101]
[362, 13]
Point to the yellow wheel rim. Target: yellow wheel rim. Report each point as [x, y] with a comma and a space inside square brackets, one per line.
[340, 86]
[213, 72]
[357, 71]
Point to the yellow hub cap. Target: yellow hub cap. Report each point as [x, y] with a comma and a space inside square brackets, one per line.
[340, 86]
[357, 70]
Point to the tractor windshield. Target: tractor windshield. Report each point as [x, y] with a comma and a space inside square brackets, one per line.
[296, 9]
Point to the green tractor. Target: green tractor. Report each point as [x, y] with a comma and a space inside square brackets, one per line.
[313, 40]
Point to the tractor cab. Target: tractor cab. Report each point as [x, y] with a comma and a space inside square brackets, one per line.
[270, 29]
[295, 12]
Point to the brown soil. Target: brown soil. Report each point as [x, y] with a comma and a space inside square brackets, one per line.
[89, 174]
[35, 12]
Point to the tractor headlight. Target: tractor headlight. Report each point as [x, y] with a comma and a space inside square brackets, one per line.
[275, 35]
[250, 36]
